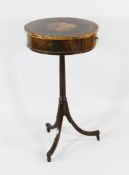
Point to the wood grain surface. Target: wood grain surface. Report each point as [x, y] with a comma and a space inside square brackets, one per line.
[61, 35]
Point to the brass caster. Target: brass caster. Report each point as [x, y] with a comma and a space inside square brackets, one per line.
[48, 158]
[47, 126]
[98, 136]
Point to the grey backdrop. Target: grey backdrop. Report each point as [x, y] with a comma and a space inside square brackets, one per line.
[97, 90]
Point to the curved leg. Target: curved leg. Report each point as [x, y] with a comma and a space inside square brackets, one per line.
[87, 133]
[49, 126]
[56, 140]
[63, 110]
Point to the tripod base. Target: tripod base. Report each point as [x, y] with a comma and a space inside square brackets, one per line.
[63, 110]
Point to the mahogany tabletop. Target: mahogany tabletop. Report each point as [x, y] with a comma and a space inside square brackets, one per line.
[61, 35]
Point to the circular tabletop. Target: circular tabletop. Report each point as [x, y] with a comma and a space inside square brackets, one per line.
[61, 35]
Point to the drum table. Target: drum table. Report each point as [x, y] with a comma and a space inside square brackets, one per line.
[62, 36]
